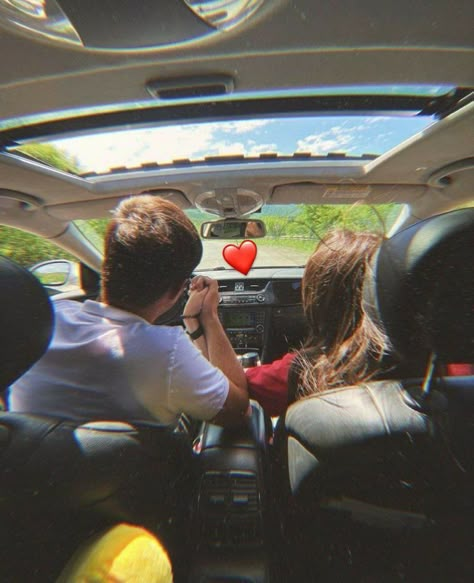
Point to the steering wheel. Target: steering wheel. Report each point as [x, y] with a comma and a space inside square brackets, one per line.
[172, 317]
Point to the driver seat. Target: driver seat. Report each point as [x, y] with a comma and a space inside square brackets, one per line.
[62, 481]
[380, 476]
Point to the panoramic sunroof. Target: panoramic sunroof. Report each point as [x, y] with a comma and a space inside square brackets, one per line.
[126, 150]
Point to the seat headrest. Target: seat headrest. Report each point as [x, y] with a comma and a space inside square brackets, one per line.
[26, 320]
[424, 287]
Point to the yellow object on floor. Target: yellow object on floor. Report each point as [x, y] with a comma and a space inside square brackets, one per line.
[123, 554]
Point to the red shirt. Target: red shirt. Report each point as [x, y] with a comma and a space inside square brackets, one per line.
[268, 384]
[460, 370]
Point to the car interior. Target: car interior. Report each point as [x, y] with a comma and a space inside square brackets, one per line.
[239, 112]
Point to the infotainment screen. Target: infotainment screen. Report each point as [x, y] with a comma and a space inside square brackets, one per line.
[237, 319]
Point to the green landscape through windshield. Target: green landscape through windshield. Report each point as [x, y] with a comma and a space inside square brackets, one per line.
[293, 230]
[292, 233]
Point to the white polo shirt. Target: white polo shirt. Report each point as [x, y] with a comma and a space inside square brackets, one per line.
[106, 363]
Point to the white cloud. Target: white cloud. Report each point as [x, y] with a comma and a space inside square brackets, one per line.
[243, 126]
[333, 140]
[375, 119]
[162, 145]
[100, 152]
[227, 148]
[249, 148]
[347, 137]
[257, 149]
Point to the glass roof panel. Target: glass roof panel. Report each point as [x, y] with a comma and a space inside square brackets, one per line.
[102, 151]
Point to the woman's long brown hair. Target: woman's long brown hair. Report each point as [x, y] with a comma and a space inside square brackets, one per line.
[345, 346]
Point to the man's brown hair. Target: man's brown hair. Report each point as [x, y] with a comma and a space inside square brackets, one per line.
[151, 247]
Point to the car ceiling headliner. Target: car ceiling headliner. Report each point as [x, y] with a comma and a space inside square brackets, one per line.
[410, 164]
[290, 45]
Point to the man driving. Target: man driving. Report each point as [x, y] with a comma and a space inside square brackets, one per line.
[107, 359]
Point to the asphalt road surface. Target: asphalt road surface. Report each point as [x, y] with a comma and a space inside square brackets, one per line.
[267, 255]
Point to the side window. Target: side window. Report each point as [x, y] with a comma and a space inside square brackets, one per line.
[55, 268]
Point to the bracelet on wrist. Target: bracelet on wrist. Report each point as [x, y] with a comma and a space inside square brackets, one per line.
[191, 316]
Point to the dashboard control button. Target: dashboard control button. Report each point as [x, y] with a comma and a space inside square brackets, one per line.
[217, 499]
[260, 298]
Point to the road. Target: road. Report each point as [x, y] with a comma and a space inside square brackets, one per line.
[267, 255]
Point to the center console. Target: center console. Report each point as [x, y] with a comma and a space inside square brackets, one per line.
[243, 313]
[263, 314]
[245, 328]
[230, 529]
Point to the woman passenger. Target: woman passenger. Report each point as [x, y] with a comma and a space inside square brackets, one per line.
[345, 346]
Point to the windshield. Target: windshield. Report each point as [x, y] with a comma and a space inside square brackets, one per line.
[293, 231]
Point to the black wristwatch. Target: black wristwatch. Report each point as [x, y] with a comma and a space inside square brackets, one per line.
[197, 333]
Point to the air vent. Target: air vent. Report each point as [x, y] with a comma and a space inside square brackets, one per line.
[248, 285]
[229, 510]
[255, 284]
[215, 492]
[226, 286]
[244, 494]
[232, 493]
[287, 291]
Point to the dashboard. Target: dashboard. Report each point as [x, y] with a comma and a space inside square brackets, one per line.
[262, 311]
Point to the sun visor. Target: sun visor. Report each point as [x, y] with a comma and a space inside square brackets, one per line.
[92, 209]
[345, 193]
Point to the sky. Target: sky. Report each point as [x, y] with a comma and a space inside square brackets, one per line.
[354, 135]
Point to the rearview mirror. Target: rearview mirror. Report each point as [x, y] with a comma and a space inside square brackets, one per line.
[233, 229]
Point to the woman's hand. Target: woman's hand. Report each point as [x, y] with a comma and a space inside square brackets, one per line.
[199, 283]
[211, 298]
[211, 301]
[195, 302]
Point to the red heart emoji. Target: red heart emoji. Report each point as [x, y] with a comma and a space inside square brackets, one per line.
[240, 258]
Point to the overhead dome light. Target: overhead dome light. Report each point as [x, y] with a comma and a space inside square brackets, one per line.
[43, 17]
[125, 25]
[224, 14]
[229, 202]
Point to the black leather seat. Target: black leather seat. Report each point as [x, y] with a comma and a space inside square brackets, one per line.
[26, 321]
[381, 476]
[62, 480]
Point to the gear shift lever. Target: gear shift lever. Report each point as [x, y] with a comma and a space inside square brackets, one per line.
[250, 359]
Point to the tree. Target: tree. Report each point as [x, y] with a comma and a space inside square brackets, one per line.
[276, 226]
[27, 249]
[318, 219]
[52, 156]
